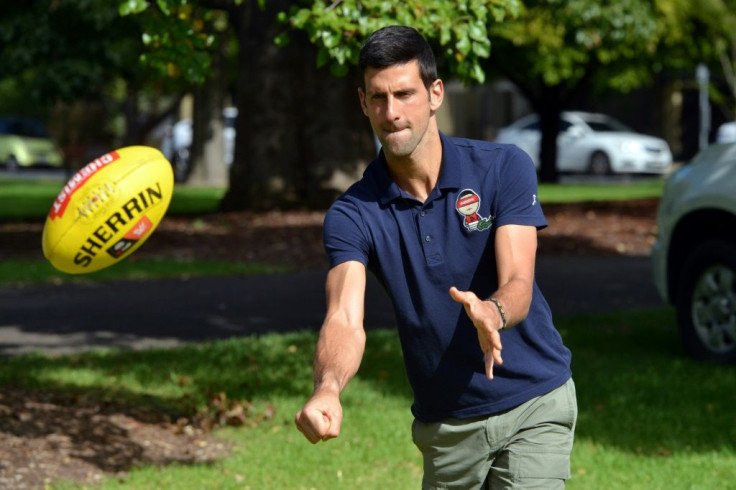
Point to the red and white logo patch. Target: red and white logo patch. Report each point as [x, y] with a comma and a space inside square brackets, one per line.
[141, 229]
[468, 204]
[78, 181]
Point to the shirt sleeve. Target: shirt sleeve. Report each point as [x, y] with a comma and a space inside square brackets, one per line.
[518, 201]
[344, 235]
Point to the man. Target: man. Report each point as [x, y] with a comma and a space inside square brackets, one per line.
[462, 294]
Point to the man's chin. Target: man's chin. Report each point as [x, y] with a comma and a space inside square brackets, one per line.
[396, 146]
[396, 151]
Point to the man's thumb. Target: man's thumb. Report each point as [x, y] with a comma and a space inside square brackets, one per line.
[457, 295]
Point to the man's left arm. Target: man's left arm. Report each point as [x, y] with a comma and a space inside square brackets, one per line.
[516, 249]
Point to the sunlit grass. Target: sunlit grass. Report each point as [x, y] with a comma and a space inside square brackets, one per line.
[650, 418]
[31, 200]
[650, 188]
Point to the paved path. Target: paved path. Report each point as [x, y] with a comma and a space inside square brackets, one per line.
[135, 314]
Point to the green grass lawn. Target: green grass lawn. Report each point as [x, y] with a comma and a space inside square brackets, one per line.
[31, 200]
[601, 191]
[649, 417]
[28, 271]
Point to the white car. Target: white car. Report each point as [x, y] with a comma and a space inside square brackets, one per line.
[726, 133]
[694, 258]
[593, 143]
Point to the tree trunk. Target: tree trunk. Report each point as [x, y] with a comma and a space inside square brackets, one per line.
[549, 110]
[207, 151]
[297, 125]
[132, 116]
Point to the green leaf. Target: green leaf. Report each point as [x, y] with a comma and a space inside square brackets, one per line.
[323, 57]
[331, 39]
[478, 74]
[463, 45]
[301, 19]
[164, 6]
[482, 49]
[477, 31]
[282, 39]
[130, 7]
[339, 70]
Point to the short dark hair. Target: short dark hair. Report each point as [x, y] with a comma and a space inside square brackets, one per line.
[396, 45]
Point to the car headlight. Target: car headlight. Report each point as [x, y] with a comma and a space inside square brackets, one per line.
[631, 147]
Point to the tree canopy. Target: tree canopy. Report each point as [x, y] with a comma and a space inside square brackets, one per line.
[133, 52]
[80, 53]
[557, 47]
[459, 29]
[65, 50]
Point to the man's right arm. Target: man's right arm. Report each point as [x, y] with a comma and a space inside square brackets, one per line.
[339, 352]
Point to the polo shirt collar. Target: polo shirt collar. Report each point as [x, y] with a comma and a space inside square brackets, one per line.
[450, 172]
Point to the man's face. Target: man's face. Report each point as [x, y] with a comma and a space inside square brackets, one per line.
[399, 106]
[469, 209]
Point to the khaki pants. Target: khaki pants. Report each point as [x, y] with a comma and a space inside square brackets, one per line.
[526, 447]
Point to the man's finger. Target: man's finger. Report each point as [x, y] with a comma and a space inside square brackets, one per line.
[496, 352]
[489, 364]
[332, 429]
[314, 425]
[464, 297]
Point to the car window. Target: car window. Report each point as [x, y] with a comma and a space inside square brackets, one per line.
[28, 128]
[607, 125]
[564, 125]
[532, 126]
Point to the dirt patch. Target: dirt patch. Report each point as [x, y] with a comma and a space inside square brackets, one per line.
[44, 438]
[295, 238]
[600, 228]
[48, 437]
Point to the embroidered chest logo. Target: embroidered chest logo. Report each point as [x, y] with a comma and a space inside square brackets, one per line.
[468, 203]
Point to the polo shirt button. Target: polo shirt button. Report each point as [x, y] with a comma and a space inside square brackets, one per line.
[427, 238]
[423, 214]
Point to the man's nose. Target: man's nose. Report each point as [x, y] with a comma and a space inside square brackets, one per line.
[392, 109]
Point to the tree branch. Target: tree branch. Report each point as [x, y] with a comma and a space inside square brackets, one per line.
[334, 5]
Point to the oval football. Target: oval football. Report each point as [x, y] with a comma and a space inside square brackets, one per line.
[108, 209]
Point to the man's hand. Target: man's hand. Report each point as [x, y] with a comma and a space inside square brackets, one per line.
[487, 321]
[320, 419]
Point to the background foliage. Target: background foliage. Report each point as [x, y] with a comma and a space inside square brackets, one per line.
[130, 63]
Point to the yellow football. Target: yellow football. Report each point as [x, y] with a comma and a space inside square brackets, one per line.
[108, 209]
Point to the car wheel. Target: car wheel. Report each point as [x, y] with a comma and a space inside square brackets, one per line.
[600, 164]
[706, 303]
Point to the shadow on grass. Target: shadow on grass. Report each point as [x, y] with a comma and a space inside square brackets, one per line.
[636, 390]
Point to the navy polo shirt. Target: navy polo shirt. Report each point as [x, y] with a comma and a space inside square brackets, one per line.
[419, 250]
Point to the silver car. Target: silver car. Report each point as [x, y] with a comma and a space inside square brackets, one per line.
[694, 258]
[593, 143]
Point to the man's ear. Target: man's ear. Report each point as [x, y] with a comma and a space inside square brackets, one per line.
[361, 96]
[436, 94]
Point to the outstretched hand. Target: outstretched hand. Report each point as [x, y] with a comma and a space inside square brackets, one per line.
[487, 321]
